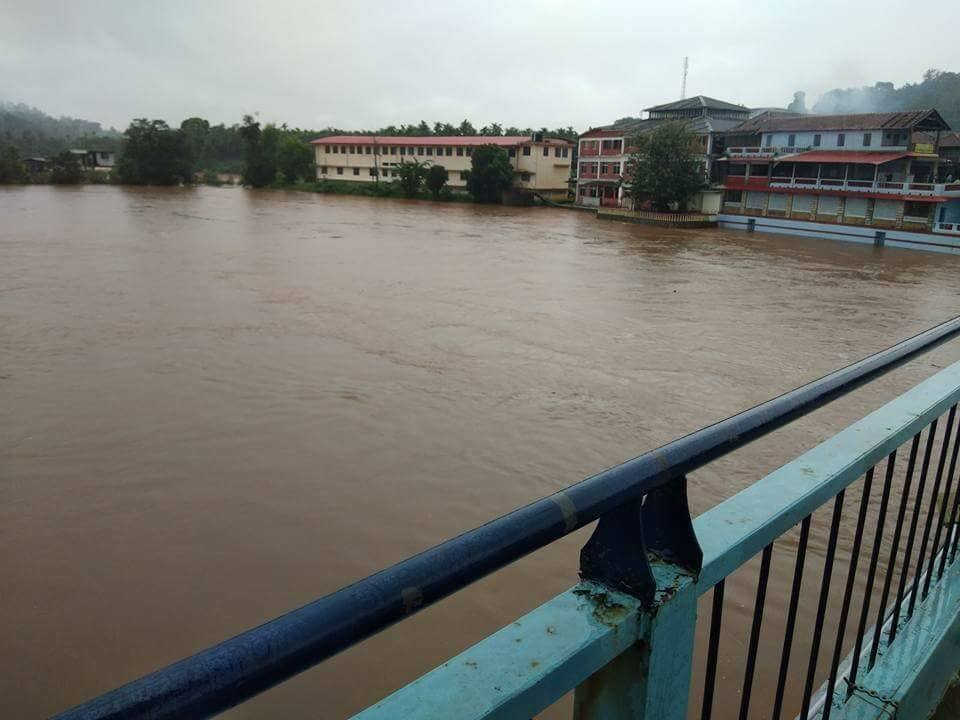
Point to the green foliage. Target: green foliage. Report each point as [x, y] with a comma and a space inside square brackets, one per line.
[97, 177]
[665, 167]
[66, 170]
[12, 171]
[490, 173]
[295, 159]
[260, 148]
[492, 130]
[154, 154]
[938, 89]
[437, 177]
[410, 176]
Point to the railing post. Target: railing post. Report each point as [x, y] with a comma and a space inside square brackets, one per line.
[650, 551]
[651, 681]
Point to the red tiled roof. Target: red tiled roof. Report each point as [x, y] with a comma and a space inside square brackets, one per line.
[840, 156]
[432, 140]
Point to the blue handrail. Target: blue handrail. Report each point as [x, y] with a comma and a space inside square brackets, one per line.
[235, 670]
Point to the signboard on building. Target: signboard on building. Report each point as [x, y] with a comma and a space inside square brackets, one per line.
[923, 148]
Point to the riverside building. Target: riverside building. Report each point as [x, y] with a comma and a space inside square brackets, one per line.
[540, 164]
[878, 178]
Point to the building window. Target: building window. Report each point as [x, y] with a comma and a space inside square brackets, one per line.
[556, 152]
[733, 197]
[565, 152]
[916, 210]
[336, 149]
[469, 151]
[429, 151]
[886, 209]
[546, 151]
[791, 140]
[340, 171]
[512, 152]
[816, 140]
[460, 153]
[326, 148]
[356, 171]
[373, 172]
[767, 140]
[386, 173]
[366, 149]
[464, 175]
[419, 151]
[867, 138]
[393, 149]
[525, 177]
[343, 149]
[526, 149]
[855, 207]
[449, 151]
[323, 169]
[777, 201]
[841, 140]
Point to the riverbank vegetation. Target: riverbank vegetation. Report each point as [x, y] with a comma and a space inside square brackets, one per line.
[151, 152]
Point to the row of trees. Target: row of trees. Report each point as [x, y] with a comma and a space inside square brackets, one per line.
[464, 128]
[490, 175]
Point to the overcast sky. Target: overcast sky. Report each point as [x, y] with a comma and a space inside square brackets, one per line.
[359, 64]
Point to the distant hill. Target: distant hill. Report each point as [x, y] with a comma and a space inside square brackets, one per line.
[940, 90]
[33, 132]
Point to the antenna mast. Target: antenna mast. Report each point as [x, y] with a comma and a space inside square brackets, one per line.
[683, 84]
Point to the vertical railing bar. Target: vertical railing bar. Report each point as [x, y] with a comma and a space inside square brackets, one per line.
[871, 573]
[848, 592]
[946, 497]
[791, 617]
[911, 534]
[894, 548]
[713, 647]
[950, 544]
[755, 632]
[822, 605]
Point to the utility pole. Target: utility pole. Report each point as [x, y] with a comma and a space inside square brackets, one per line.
[683, 83]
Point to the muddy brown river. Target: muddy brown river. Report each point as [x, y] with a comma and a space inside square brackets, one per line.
[218, 404]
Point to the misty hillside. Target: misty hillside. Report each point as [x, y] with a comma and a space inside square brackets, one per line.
[34, 132]
[940, 90]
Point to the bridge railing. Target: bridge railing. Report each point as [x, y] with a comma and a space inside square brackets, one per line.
[623, 637]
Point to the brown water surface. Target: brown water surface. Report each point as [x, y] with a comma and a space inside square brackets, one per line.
[218, 404]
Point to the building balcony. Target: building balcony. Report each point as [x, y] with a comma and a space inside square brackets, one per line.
[588, 175]
[612, 151]
[947, 228]
[749, 152]
[865, 186]
[610, 176]
[765, 152]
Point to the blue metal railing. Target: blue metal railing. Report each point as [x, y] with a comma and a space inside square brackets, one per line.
[237, 669]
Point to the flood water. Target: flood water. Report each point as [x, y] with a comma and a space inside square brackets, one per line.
[218, 404]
